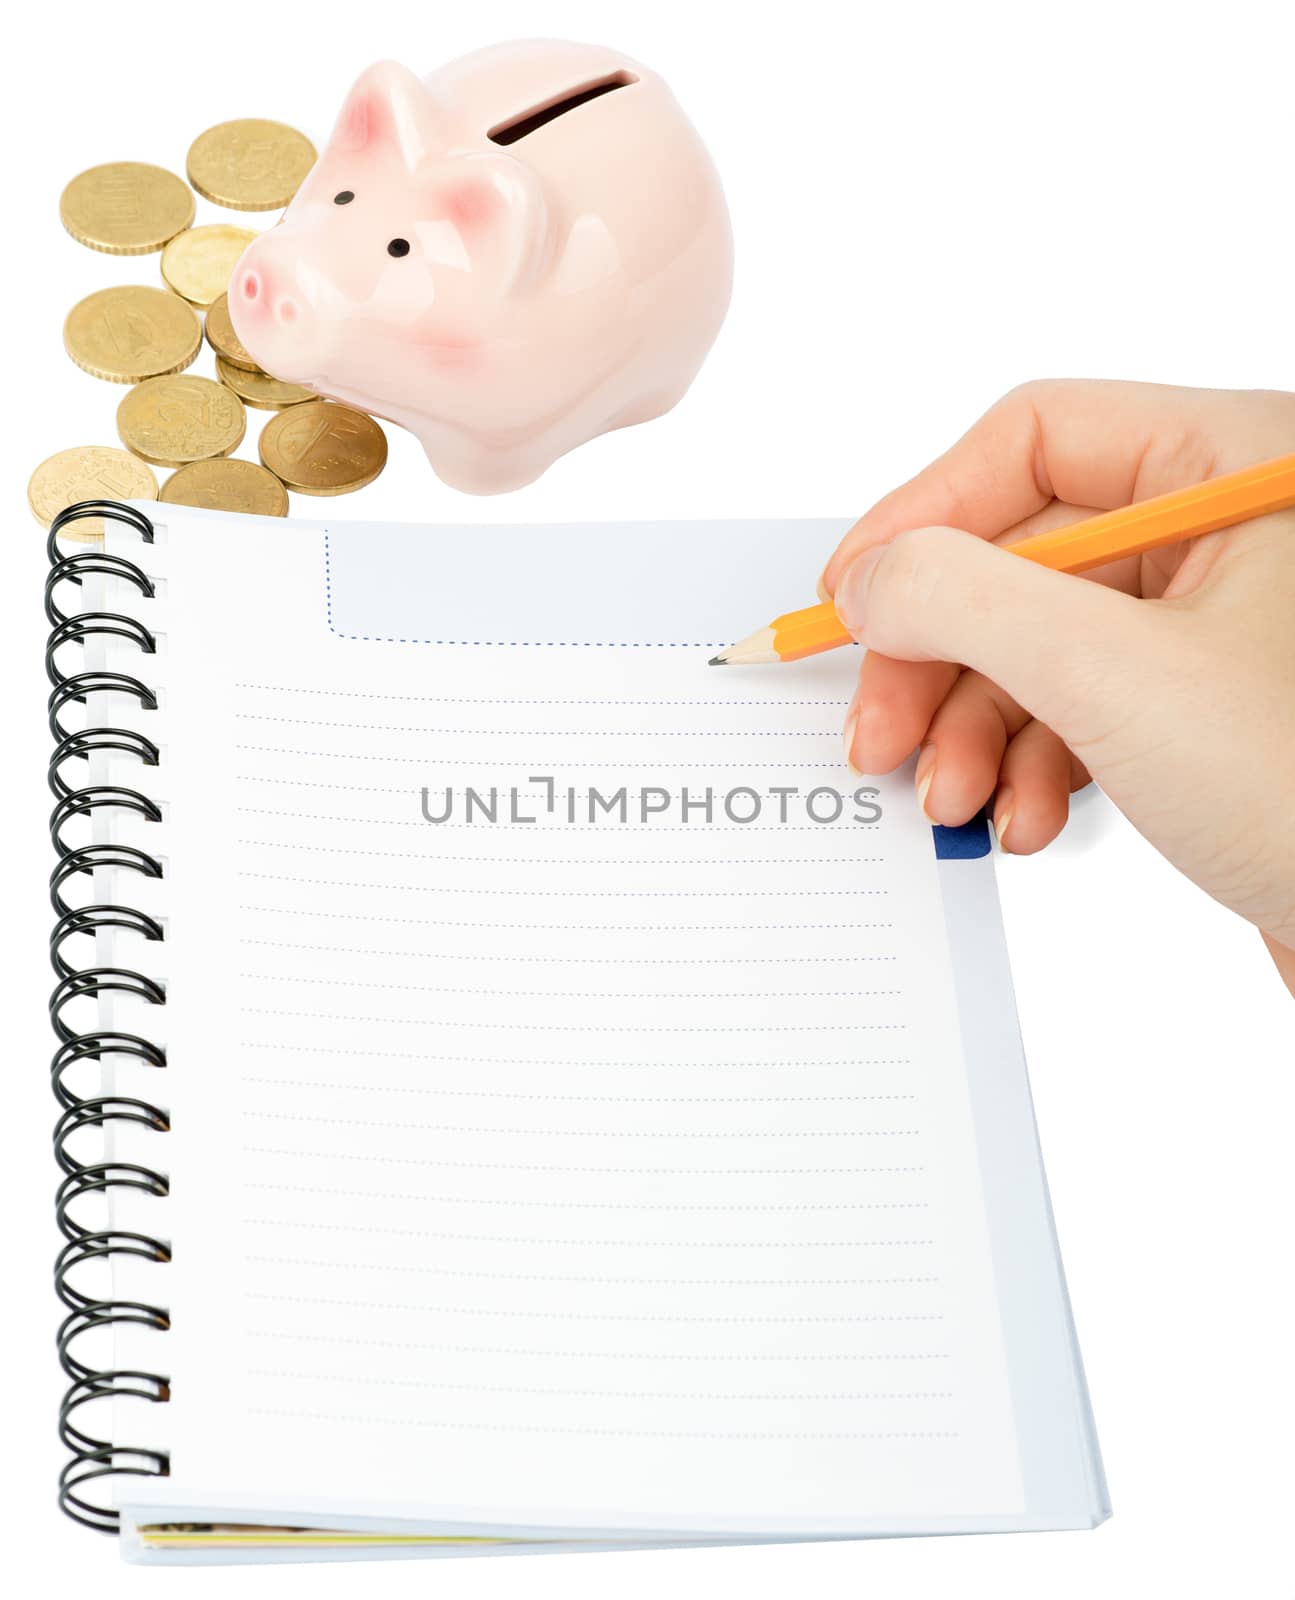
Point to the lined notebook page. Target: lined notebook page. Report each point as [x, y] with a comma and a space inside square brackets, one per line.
[541, 1157]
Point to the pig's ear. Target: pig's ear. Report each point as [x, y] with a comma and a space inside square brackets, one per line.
[498, 208]
[387, 107]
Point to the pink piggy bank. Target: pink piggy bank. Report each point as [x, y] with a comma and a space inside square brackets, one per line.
[521, 251]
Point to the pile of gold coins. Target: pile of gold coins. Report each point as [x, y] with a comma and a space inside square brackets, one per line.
[149, 336]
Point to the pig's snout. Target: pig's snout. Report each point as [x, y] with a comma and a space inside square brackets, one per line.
[274, 319]
[258, 297]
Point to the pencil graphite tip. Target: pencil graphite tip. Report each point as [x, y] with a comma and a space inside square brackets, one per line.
[721, 660]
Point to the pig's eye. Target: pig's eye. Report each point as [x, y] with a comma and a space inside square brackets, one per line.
[344, 198]
[398, 247]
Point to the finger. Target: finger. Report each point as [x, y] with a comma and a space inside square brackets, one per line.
[895, 701]
[892, 709]
[1237, 566]
[963, 749]
[1033, 791]
[1125, 574]
[1090, 443]
[1064, 649]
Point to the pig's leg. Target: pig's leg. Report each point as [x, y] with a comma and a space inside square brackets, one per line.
[474, 467]
[646, 407]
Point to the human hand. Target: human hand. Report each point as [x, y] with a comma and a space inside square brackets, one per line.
[1170, 679]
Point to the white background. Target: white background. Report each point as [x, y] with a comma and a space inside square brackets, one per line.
[931, 203]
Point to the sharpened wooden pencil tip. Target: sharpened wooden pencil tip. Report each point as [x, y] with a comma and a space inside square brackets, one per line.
[756, 649]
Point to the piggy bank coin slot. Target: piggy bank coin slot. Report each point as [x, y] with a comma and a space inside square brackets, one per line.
[510, 132]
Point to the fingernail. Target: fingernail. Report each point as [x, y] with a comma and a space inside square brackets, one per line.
[852, 587]
[1003, 812]
[922, 776]
[851, 724]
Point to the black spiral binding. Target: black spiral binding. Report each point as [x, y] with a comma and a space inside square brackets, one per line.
[93, 1458]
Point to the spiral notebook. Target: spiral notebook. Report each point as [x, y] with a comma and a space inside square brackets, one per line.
[520, 1091]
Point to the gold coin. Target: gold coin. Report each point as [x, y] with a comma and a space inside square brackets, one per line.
[250, 164]
[225, 485]
[197, 263]
[171, 421]
[259, 389]
[126, 207]
[130, 333]
[88, 472]
[222, 338]
[321, 447]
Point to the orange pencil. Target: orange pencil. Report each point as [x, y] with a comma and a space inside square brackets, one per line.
[1184, 514]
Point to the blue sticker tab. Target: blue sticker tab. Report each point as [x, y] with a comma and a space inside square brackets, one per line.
[967, 843]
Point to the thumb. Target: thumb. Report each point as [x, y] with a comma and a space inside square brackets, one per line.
[1073, 653]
